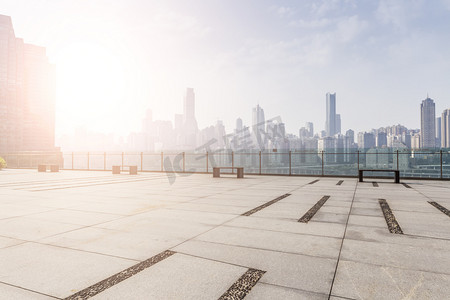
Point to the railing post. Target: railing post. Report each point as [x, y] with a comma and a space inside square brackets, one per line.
[142, 161]
[259, 162]
[207, 161]
[357, 152]
[162, 161]
[122, 160]
[290, 161]
[322, 163]
[442, 175]
[104, 161]
[397, 161]
[232, 161]
[72, 160]
[184, 162]
[88, 161]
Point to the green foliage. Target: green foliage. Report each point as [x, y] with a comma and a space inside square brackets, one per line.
[2, 163]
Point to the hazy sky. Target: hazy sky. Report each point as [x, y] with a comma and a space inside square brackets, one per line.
[116, 58]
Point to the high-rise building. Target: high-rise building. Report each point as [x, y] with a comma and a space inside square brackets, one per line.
[366, 140]
[310, 127]
[27, 94]
[427, 124]
[381, 139]
[445, 129]
[258, 127]
[330, 124]
[338, 123]
[239, 125]
[351, 135]
[190, 123]
[438, 132]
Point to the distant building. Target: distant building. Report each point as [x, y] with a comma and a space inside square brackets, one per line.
[445, 129]
[351, 135]
[310, 127]
[427, 124]
[381, 139]
[415, 141]
[330, 124]
[438, 132]
[338, 123]
[258, 126]
[366, 140]
[27, 94]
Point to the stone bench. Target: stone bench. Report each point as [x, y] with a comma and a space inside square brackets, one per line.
[118, 169]
[396, 174]
[240, 171]
[43, 168]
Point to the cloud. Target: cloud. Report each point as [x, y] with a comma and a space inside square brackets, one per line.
[398, 13]
[311, 24]
[174, 23]
[283, 11]
[349, 28]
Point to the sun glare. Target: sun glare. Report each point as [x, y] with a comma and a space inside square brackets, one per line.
[91, 84]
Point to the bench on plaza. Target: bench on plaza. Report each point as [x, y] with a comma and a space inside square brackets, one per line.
[118, 169]
[240, 171]
[43, 168]
[396, 173]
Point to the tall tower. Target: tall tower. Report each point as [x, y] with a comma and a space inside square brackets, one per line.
[338, 123]
[330, 125]
[258, 119]
[190, 123]
[427, 124]
[445, 129]
[438, 132]
[27, 94]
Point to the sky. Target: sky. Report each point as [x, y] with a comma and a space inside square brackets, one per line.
[115, 59]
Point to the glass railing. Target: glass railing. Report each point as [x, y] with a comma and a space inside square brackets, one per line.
[411, 163]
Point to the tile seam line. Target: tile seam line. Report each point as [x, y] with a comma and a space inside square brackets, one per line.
[297, 233]
[262, 249]
[291, 288]
[342, 243]
[396, 267]
[29, 290]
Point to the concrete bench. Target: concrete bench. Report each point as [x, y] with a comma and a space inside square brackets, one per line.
[396, 174]
[240, 171]
[132, 169]
[43, 168]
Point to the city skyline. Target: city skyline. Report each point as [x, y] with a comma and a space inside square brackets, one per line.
[284, 56]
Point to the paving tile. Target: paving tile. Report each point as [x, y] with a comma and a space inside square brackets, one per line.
[356, 280]
[56, 271]
[177, 277]
[307, 273]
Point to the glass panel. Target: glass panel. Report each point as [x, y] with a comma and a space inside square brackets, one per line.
[340, 164]
[248, 160]
[196, 162]
[275, 163]
[151, 162]
[306, 163]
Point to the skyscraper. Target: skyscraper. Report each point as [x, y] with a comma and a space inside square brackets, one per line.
[438, 132]
[445, 129]
[338, 123]
[258, 119]
[427, 124]
[258, 126]
[27, 94]
[190, 123]
[330, 125]
[310, 127]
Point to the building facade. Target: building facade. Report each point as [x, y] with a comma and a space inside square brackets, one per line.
[27, 94]
[330, 124]
[427, 124]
